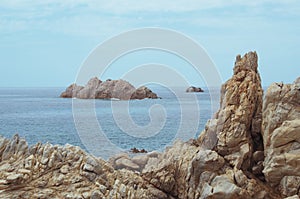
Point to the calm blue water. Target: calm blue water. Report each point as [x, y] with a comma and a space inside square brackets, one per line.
[39, 115]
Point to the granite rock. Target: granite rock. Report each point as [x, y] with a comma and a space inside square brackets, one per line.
[281, 136]
[53, 171]
[117, 89]
[235, 131]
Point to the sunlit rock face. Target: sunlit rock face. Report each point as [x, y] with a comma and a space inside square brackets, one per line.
[118, 89]
[281, 135]
[52, 171]
[235, 131]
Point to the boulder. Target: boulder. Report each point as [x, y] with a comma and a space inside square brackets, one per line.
[134, 163]
[140, 160]
[122, 163]
[207, 160]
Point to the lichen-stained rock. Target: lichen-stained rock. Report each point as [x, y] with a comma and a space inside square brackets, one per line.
[235, 132]
[281, 135]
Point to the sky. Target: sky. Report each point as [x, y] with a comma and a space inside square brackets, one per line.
[44, 43]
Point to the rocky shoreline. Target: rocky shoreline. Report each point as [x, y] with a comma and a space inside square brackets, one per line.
[250, 149]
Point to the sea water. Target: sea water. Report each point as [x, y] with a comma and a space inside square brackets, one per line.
[39, 115]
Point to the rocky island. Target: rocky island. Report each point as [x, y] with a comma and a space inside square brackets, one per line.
[250, 149]
[193, 89]
[117, 89]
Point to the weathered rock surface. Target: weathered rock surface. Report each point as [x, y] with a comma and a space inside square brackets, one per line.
[249, 150]
[135, 163]
[227, 160]
[220, 164]
[281, 135]
[194, 89]
[47, 171]
[235, 132]
[119, 89]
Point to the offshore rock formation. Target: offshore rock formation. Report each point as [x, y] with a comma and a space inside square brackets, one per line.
[118, 89]
[249, 150]
[194, 89]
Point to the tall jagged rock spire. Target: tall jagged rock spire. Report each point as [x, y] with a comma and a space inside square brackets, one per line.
[235, 131]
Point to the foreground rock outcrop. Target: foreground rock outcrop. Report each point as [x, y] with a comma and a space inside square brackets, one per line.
[118, 89]
[235, 132]
[47, 171]
[221, 163]
[281, 135]
[250, 149]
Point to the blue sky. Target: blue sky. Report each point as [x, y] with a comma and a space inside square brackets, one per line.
[44, 43]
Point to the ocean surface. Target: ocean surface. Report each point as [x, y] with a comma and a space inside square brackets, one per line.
[39, 115]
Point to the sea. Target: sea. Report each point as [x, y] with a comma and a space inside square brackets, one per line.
[40, 115]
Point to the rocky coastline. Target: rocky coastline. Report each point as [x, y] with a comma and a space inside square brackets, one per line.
[109, 89]
[250, 149]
